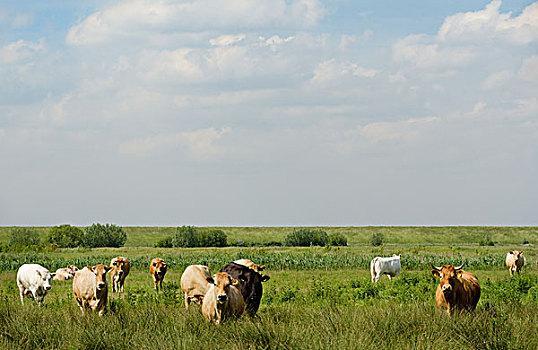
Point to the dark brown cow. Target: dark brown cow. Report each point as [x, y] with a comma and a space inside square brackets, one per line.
[250, 285]
[457, 290]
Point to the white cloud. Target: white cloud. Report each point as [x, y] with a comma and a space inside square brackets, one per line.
[332, 70]
[199, 144]
[226, 40]
[489, 23]
[400, 130]
[347, 41]
[20, 50]
[131, 18]
[496, 80]
[529, 69]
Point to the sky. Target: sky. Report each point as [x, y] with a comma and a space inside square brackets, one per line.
[269, 112]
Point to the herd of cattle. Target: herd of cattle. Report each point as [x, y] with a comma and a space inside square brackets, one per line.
[236, 288]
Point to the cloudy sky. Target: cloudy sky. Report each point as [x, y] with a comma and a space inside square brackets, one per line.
[269, 112]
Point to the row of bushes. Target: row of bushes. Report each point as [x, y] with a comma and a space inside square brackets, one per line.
[67, 236]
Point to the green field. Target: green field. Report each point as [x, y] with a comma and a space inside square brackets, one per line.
[317, 297]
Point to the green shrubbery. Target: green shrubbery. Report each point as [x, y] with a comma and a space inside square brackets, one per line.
[337, 239]
[190, 237]
[107, 235]
[305, 237]
[66, 236]
[24, 239]
[377, 239]
[486, 241]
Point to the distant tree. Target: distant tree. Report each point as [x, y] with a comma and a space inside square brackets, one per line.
[377, 239]
[107, 235]
[305, 237]
[66, 236]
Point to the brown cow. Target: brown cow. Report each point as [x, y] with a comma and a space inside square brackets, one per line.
[250, 264]
[515, 261]
[90, 288]
[194, 283]
[119, 269]
[158, 269]
[457, 290]
[222, 299]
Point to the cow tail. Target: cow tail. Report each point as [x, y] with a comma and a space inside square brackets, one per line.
[372, 268]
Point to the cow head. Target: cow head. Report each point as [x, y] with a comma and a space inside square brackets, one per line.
[448, 275]
[159, 266]
[222, 282]
[72, 269]
[100, 271]
[119, 265]
[47, 278]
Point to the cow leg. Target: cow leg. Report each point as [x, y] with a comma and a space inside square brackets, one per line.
[389, 276]
[187, 301]
[376, 278]
[21, 293]
[161, 284]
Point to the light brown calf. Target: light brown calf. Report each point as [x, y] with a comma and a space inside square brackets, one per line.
[222, 299]
[457, 290]
[515, 261]
[158, 269]
[194, 283]
[90, 288]
[119, 269]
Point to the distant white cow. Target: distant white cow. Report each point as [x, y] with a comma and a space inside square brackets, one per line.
[515, 261]
[34, 280]
[385, 266]
[65, 273]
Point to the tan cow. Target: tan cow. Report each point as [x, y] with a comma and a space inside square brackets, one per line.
[515, 261]
[119, 269]
[457, 290]
[222, 299]
[90, 288]
[250, 264]
[65, 273]
[158, 269]
[194, 283]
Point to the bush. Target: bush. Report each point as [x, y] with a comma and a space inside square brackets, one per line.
[164, 243]
[305, 237]
[337, 239]
[486, 241]
[24, 239]
[107, 235]
[190, 236]
[66, 236]
[377, 239]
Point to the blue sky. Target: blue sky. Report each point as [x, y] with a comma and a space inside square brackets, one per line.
[269, 112]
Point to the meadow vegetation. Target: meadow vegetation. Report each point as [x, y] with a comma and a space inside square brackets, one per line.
[317, 297]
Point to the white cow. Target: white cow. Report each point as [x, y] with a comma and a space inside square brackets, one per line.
[34, 280]
[385, 266]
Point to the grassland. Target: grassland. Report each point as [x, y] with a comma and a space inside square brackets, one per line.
[317, 298]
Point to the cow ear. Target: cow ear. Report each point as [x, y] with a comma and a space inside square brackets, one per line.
[436, 273]
[210, 280]
[234, 281]
[511, 252]
[53, 274]
[265, 278]
[261, 267]
[107, 268]
[94, 269]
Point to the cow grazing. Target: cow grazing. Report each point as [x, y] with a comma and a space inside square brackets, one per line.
[251, 285]
[119, 269]
[90, 288]
[65, 273]
[158, 269]
[194, 283]
[34, 281]
[457, 290]
[250, 264]
[390, 266]
[222, 300]
[515, 261]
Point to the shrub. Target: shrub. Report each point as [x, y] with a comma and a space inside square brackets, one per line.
[164, 243]
[190, 236]
[66, 236]
[337, 239]
[486, 241]
[377, 239]
[107, 235]
[24, 239]
[305, 237]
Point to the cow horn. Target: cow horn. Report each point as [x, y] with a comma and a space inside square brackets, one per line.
[458, 267]
[436, 268]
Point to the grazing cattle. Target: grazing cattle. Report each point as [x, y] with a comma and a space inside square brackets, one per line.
[65, 273]
[515, 261]
[158, 269]
[251, 285]
[194, 283]
[385, 266]
[90, 288]
[457, 290]
[250, 264]
[34, 281]
[222, 299]
[119, 269]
